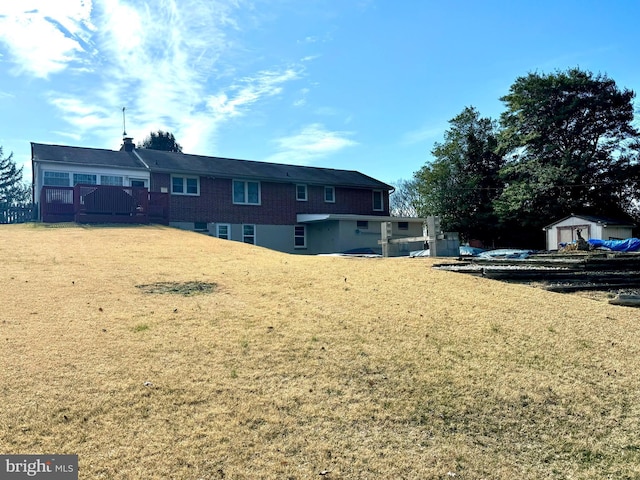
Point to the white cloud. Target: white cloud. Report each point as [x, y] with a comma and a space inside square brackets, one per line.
[312, 142]
[161, 60]
[44, 37]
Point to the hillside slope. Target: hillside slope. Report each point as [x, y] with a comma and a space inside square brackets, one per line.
[293, 366]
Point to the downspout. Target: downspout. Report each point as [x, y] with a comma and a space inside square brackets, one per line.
[33, 183]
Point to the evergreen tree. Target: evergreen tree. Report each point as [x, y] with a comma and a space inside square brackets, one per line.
[160, 140]
[571, 148]
[12, 187]
[462, 182]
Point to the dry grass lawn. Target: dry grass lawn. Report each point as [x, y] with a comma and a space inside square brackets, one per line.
[280, 366]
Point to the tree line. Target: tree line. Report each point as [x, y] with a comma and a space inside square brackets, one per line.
[565, 144]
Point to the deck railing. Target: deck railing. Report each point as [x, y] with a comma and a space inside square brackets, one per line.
[103, 204]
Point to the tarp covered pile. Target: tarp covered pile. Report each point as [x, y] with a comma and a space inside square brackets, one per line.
[627, 245]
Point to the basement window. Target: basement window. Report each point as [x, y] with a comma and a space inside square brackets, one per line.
[200, 226]
[249, 234]
[300, 236]
[223, 231]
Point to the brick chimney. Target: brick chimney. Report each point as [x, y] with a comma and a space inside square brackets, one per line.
[127, 144]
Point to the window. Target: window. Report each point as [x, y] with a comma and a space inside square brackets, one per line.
[403, 225]
[200, 226]
[84, 178]
[111, 180]
[301, 193]
[378, 203]
[249, 234]
[246, 192]
[136, 182]
[185, 185]
[56, 179]
[329, 194]
[223, 230]
[362, 225]
[300, 236]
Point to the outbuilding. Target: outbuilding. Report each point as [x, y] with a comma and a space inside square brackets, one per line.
[602, 228]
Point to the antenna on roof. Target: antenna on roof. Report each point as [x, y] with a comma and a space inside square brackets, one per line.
[124, 125]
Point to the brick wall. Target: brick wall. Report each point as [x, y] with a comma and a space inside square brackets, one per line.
[278, 202]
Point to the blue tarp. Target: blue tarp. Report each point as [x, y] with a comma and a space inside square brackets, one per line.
[628, 245]
[506, 253]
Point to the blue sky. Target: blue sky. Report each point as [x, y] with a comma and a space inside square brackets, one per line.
[366, 85]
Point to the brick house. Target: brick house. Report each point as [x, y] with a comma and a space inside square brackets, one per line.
[290, 208]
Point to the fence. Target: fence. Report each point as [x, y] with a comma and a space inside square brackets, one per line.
[103, 204]
[16, 213]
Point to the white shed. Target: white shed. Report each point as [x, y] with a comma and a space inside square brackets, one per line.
[565, 230]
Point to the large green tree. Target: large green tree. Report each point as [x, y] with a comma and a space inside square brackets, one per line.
[570, 147]
[12, 187]
[161, 141]
[462, 181]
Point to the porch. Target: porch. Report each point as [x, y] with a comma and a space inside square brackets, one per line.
[103, 204]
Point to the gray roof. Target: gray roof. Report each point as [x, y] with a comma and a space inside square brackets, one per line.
[597, 220]
[84, 156]
[169, 162]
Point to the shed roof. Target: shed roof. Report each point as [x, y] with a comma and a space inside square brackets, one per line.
[606, 221]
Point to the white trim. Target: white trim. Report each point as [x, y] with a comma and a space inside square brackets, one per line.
[184, 185]
[324, 194]
[296, 236]
[245, 192]
[326, 217]
[306, 192]
[228, 225]
[247, 236]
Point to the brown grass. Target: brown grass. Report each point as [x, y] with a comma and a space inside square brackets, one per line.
[291, 366]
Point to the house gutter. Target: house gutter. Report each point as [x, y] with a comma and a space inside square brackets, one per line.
[140, 158]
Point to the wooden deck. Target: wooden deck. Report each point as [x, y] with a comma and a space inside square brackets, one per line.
[103, 204]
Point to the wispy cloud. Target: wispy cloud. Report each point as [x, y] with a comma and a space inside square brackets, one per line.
[160, 60]
[311, 143]
[45, 37]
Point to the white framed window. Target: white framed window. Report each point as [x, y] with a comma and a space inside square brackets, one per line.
[223, 231]
[111, 180]
[362, 225]
[300, 236]
[137, 182]
[85, 178]
[378, 202]
[249, 234]
[301, 193]
[185, 185]
[329, 194]
[56, 179]
[246, 192]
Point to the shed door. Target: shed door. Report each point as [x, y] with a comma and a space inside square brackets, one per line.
[569, 233]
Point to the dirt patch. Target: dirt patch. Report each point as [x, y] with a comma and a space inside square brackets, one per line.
[178, 288]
